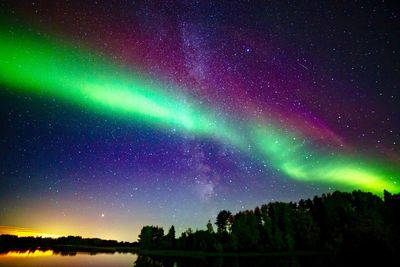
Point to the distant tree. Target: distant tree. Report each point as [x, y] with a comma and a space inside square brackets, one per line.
[151, 237]
[307, 233]
[356, 222]
[181, 242]
[189, 231]
[146, 237]
[261, 231]
[392, 204]
[158, 237]
[369, 231]
[210, 227]
[222, 221]
[266, 235]
[200, 240]
[189, 239]
[171, 232]
[245, 229]
[282, 225]
[170, 238]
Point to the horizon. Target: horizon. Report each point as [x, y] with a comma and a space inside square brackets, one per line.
[27, 232]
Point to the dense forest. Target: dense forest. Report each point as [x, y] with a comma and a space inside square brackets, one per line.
[356, 222]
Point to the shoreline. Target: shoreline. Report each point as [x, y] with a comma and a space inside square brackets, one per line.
[201, 254]
[68, 249]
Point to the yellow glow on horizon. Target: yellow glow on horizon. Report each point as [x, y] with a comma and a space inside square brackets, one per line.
[24, 232]
[35, 253]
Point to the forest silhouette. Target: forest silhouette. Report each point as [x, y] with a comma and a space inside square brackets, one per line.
[340, 222]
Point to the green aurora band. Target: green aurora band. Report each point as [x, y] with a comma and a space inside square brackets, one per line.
[298, 159]
[37, 64]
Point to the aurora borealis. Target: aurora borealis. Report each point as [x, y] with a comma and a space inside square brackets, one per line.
[123, 114]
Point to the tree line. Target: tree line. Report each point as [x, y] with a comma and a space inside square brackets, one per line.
[339, 221]
[13, 242]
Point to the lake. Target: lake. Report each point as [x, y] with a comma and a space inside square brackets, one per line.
[50, 258]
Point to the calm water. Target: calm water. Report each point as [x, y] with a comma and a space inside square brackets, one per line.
[49, 258]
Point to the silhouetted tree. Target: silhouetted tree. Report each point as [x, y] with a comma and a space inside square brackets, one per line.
[245, 229]
[266, 235]
[151, 237]
[210, 227]
[222, 221]
[306, 230]
[356, 222]
[146, 237]
[170, 238]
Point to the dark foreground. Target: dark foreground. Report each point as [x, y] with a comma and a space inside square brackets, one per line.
[338, 229]
[45, 258]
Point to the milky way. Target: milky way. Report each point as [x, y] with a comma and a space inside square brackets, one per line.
[219, 124]
[39, 65]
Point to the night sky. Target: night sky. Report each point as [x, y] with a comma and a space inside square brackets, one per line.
[119, 114]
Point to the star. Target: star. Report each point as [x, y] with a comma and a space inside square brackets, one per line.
[109, 111]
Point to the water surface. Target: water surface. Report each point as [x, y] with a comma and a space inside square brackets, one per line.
[51, 258]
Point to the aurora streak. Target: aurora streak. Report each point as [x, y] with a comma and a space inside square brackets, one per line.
[35, 64]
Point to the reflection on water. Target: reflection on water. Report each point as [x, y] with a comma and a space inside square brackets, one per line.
[273, 261]
[51, 258]
[65, 258]
[28, 253]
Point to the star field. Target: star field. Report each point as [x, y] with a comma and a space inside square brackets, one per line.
[117, 114]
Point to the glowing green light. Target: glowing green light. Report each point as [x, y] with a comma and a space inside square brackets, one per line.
[40, 65]
[299, 161]
[36, 64]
